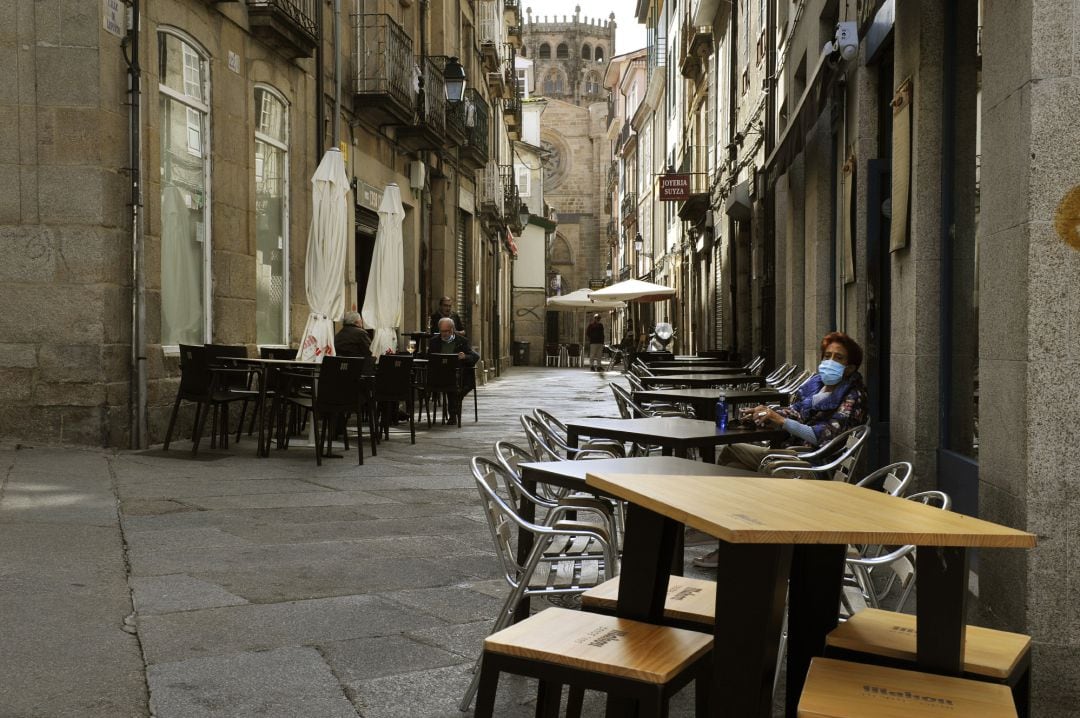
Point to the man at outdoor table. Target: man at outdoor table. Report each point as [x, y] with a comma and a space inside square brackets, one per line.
[447, 341]
[352, 340]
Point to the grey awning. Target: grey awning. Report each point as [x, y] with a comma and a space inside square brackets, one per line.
[805, 116]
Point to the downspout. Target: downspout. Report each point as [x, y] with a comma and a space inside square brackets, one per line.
[320, 111]
[336, 136]
[768, 300]
[139, 438]
[948, 171]
[733, 95]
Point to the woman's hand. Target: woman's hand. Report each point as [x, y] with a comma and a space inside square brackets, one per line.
[764, 416]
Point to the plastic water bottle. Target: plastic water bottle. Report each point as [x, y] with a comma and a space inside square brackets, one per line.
[721, 413]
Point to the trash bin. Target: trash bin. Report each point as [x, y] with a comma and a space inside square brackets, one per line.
[521, 353]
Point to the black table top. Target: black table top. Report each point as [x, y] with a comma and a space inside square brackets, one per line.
[693, 363]
[571, 474]
[761, 396]
[669, 431]
[697, 369]
[696, 379]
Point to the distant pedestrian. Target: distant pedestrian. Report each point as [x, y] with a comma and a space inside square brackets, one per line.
[595, 334]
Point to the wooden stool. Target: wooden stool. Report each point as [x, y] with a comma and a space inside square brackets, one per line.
[690, 603]
[590, 651]
[839, 689]
[888, 638]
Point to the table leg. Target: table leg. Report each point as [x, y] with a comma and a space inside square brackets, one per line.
[263, 443]
[941, 612]
[571, 440]
[648, 548]
[751, 585]
[527, 511]
[817, 574]
[666, 450]
[708, 454]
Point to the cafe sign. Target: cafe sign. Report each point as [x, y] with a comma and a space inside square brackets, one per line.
[674, 187]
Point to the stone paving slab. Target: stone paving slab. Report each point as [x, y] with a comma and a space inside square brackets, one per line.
[170, 594]
[282, 683]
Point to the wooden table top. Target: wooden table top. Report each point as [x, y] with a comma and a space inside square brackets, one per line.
[794, 511]
[700, 379]
[692, 395]
[670, 466]
[669, 430]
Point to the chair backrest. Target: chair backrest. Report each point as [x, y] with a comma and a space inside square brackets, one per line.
[219, 354]
[892, 479]
[550, 421]
[938, 499]
[194, 370]
[539, 441]
[551, 350]
[573, 350]
[498, 501]
[509, 455]
[847, 458]
[393, 377]
[642, 368]
[443, 372]
[341, 385]
[628, 408]
[279, 353]
[777, 372]
[635, 383]
[835, 460]
[794, 382]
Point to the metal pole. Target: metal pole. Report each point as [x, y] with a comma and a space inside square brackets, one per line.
[139, 438]
[337, 72]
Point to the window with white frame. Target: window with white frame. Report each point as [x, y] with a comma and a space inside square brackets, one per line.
[271, 217]
[523, 177]
[183, 90]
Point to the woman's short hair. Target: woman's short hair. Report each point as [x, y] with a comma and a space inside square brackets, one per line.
[350, 318]
[854, 351]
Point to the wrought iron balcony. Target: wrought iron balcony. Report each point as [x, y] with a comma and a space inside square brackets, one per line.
[288, 25]
[629, 207]
[384, 69]
[511, 198]
[429, 130]
[613, 174]
[491, 34]
[613, 230]
[475, 151]
[624, 137]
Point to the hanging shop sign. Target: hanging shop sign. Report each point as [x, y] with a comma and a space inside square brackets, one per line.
[674, 187]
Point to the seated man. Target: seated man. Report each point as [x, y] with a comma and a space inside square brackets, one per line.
[353, 339]
[446, 306]
[448, 341]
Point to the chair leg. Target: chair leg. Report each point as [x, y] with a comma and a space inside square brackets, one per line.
[172, 422]
[412, 425]
[240, 423]
[360, 434]
[548, 698]
[371, 428]
[485, 697]
[318, 436]
[200, 422]
[475, 407]
[215, 410]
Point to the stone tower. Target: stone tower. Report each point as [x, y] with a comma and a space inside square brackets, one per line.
[570, 55]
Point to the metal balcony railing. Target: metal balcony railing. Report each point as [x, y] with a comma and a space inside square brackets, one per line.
[491, 23]
[629, 206]
[384, 62]
[434, 97]
[624, 137]
[511, 198]
[477, 124]
[301, 13]
[612, 229]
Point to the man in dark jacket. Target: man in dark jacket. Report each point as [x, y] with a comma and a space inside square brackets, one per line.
[595, 334]
[353, 339]
[445, 305]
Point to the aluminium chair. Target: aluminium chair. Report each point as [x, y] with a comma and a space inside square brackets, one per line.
[836, 460]
[567, 556]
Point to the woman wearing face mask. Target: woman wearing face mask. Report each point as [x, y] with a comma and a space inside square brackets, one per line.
[832, 401]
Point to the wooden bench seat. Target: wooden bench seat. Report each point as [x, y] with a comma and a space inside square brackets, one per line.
[690, 601]
[629, 659]
[840, 689]
[886, 637]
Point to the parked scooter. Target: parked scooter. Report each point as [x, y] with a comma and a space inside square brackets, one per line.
[663, 334]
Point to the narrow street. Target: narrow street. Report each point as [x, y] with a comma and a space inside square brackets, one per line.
[262, 587]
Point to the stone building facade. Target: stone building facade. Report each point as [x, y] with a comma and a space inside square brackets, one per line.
[570, 57]
[234, 115]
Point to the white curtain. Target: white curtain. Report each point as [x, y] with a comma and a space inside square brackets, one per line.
[386, 281]
[326, 248]
[181, 272]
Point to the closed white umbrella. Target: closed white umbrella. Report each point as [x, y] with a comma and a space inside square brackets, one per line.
[633, 290]
[383, 299]
[324, 272]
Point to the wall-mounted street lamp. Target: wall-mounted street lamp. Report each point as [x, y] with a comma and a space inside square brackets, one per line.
[524, 214]
[607, 272]
[639, 243]
[454, 74]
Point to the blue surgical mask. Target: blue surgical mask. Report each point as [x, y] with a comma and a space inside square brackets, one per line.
[831, 372]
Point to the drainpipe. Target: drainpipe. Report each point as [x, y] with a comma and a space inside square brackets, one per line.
[733, 98]
[948, 170]
[139, 438]
[337, 72]
[320, 112]
[768, 329]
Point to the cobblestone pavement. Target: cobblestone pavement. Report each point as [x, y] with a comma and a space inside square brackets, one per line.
[138, 583]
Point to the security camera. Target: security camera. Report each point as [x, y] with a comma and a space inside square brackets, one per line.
[846, 41]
